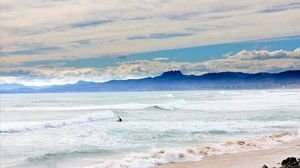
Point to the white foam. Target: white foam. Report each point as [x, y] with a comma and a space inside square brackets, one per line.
[172, 155]
[173, 105]
[124, 106]
[168, 95]
[14, 127]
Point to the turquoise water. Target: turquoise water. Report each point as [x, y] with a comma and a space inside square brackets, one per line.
[80, 129]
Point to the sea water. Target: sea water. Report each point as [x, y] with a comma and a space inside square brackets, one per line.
[80, 129]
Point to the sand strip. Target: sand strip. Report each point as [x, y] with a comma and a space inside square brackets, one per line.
[253, 159]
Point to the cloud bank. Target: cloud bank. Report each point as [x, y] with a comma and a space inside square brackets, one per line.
[243, 61]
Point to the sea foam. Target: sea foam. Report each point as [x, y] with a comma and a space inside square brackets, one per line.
[173, 155]
[15, 127]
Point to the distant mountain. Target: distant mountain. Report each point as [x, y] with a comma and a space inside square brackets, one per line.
[11, 86]
[15, 87]
[175, 80]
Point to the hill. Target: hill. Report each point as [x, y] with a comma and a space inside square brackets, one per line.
[174, 80]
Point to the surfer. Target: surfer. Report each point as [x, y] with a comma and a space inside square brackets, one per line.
[119, 119]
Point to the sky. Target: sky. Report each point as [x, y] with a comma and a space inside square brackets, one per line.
[47, 42]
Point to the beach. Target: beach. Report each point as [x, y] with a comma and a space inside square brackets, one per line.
[271, 157]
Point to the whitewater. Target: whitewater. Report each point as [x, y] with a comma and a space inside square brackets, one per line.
[80, 129]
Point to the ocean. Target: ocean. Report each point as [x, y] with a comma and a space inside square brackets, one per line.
[53, 130]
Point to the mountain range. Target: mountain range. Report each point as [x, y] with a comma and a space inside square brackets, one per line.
[173, 80]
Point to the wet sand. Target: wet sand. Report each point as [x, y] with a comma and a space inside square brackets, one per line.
[253, 159]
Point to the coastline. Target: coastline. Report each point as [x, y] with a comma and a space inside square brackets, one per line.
[251, 159]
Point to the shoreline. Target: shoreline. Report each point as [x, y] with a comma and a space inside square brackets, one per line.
[251, 159]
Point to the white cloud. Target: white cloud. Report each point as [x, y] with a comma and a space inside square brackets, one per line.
[38, 76]
[161, 59]
[244, 61]
[108, 25]
[265, 54]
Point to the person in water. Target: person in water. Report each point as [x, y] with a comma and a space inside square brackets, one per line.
[119, 119]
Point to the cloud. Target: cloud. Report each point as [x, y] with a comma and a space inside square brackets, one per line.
[280, 8]
[15, 73]
[118, 27]
[161, 59]
[39, 75]
[83, 42]
[90, 23]
[243, 61]
[159, 35]
[265, 55]
[32, 51]
[256, 61]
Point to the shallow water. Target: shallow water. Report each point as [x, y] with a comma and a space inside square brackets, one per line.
[80, 129]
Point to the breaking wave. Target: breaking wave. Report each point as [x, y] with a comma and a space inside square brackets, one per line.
[163, 106]
[168, 106]
[157, 108]
[172, 155]
[30, 126]
[174, 104]
[168, 95]
[59, 155]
